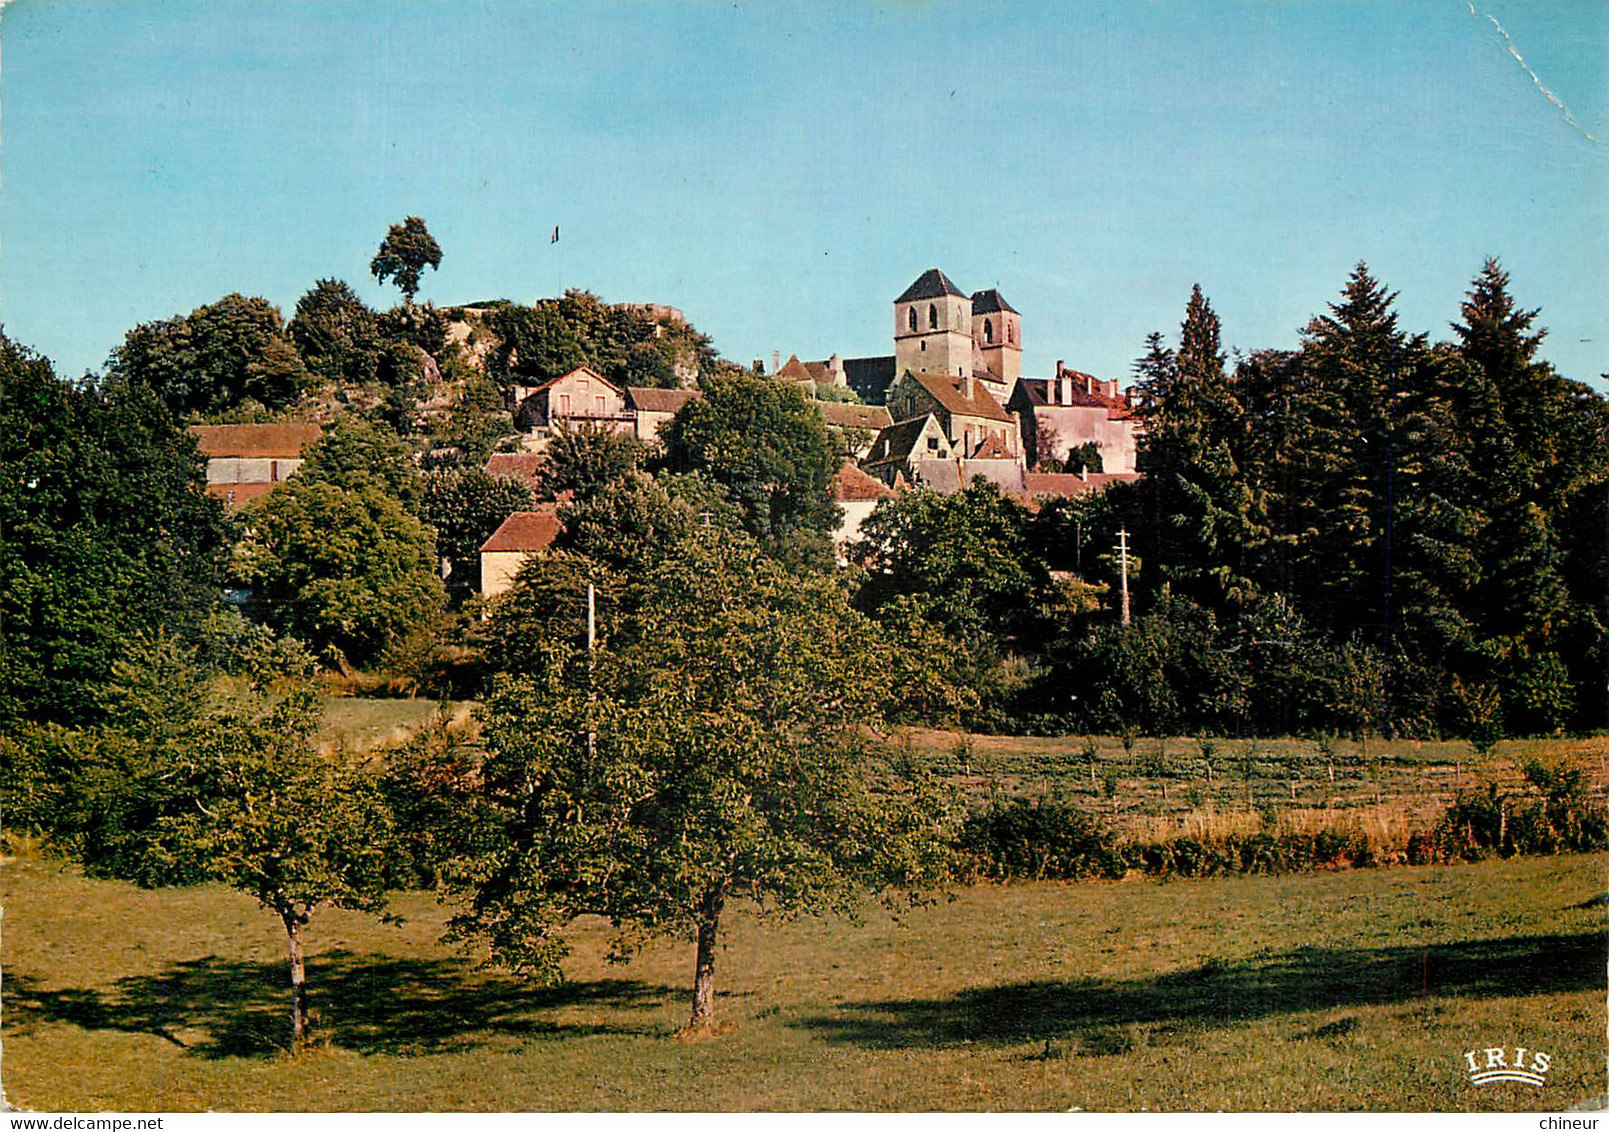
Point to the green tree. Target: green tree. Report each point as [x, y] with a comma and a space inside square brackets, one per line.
[1353, 360]
[1197, 523]
[587, 458]
[231, 788]
[216, 357]
[714, 752]
[465, 505]
[768, 447]
[539, 625]
[1165, 674]
[339, 555]
[534, 344]
[1542, 447]
[476, 425]
[352, 454]
[964, 560]
[406, 251]
[628, 524]
[336, 333]
[108, 532]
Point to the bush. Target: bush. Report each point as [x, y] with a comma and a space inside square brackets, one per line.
[1038, 840]
[1560, 817]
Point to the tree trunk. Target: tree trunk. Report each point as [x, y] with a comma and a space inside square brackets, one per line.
[293, 934]
[704, 969]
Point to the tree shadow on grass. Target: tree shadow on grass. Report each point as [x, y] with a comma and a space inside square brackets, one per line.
[371, 1004]
[1101, 1014]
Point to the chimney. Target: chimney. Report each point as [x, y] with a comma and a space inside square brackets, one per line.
[776, 360]
[969, 387]
[1064, 381]
[1083, 473]
[1089, 383]
[1111, 387]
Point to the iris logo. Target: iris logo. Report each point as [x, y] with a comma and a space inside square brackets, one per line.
[1495, 1064]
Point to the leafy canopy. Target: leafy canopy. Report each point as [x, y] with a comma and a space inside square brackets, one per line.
[768, 447]
[339, 555]
[715, 748]
[406, 251]
[108, 532]
[215, 358]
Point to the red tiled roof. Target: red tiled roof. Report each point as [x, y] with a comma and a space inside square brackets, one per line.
[282, 441]
[523, 466]
[648, 400]
[844, 414]
[525, 530]
[852, 485]
[794, 368]
[951, 393]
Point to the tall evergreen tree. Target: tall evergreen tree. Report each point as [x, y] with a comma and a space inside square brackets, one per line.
[1543, 445]
[1199, 516]
[1343, 489]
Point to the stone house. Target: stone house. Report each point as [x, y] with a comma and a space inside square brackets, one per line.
[899, 446]
[247, 461]
[1072, 409]
[858, 495]
[521, 535]
[966, 411]
[651, 408]
[580, 397]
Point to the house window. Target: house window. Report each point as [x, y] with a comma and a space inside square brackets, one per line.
[933, 443]
[1011, 331]
[911, 318]
[932, 317]
[598, 404]
[564, 404]
[988, 332]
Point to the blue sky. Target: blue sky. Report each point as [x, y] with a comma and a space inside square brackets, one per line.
[781, 172]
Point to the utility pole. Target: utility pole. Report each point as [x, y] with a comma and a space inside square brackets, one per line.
[592, 691]
[1123, 563]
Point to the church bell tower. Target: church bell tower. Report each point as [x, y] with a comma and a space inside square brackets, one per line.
[933, 327]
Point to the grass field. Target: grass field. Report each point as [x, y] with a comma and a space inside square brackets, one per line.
[1352, 990]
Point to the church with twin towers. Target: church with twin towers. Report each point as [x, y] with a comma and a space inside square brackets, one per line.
[956, 395]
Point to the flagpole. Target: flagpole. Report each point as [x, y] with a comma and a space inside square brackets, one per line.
[555, 240]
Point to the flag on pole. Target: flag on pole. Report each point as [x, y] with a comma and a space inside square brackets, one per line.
[555, 238]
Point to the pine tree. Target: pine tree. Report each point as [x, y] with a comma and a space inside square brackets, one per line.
[1198, 514]
[1543, 445]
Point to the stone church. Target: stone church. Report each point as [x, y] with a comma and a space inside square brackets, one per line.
[960, 405]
